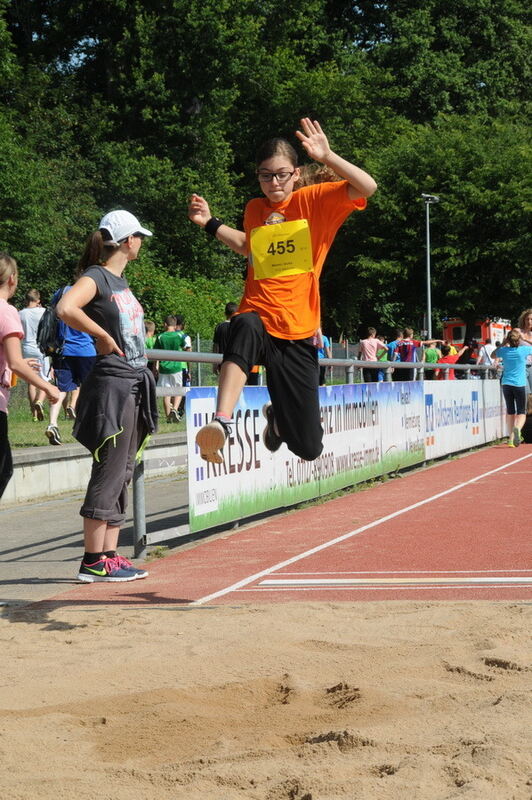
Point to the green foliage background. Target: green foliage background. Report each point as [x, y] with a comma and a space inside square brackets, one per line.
[137, 104]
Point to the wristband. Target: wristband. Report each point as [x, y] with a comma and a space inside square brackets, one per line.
[212, 225]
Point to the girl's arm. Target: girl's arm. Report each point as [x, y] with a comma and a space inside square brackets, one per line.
[317, 146]
[70, 310]
[199, 212]
[20, 367]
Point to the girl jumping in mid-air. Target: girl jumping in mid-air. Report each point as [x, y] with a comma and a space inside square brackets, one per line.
[287, 235]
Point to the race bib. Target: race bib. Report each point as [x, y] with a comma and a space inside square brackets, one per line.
[281, 249]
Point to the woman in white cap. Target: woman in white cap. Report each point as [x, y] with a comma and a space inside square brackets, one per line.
[116, 410]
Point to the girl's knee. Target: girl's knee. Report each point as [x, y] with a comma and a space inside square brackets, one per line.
[308, 451]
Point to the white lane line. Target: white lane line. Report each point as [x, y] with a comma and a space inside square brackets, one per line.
[341, 582]
[411, 572]
[268, 571]
[412, 588]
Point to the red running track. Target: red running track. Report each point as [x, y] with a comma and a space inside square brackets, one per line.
[455, 531]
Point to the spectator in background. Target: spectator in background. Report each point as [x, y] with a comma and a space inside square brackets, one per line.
[431, 355]
[30, 318]
[382, 356]
[221, 333]
[525, 326]
[171, 372]
[392, 352]
[324, 351]
[447, 358]
[485, 356]
[514, 382]
[467, 355]
[150, 335]
[180, 327]
[71, 367]
[370, 348]
[149, 340]
[407, 351]
[11, 361]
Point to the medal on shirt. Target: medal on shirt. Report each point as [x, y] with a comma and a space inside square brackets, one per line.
[281, 249]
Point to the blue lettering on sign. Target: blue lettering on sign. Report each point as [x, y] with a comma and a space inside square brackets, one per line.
[474, 408]
[429, 413]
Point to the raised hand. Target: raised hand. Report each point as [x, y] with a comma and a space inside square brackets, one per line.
[198, 210]
[313, 139]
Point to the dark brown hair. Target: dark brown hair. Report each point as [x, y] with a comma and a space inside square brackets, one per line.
[276, 147]
[96, 250]
[522, 316]
[316, 173]
[33, 296]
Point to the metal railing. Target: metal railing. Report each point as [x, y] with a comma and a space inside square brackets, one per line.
[349, 364]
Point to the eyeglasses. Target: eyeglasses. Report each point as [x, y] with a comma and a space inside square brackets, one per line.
[282, 177]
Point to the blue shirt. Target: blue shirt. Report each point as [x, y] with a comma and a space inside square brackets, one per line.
[392, 347]
[514, 364]
[76, 343]
[321, 350]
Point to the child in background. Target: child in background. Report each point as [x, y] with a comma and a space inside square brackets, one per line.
[149, 341]
[150, 336]
[514, 356]
[11, 361]
[30, 318]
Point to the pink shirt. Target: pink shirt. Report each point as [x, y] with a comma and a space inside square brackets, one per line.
[9, 324]
[368, 348]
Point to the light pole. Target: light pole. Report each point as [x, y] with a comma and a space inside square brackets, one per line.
[429, 200]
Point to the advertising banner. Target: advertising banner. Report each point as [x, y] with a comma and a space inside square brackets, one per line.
[369, 430]
[461, 414]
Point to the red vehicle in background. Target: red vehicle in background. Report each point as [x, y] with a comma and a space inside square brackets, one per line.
[495, 329]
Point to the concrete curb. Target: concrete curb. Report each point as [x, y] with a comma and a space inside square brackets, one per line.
[41, 472]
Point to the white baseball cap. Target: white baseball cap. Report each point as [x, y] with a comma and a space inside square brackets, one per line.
[121, 224]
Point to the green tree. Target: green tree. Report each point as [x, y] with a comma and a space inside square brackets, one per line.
[45, 215]
[451, 56]
[479, 230]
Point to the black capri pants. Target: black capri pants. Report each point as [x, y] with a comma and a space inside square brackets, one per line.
[515, 398]
[292, 378]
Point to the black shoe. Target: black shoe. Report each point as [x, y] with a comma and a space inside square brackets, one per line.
[272, 441]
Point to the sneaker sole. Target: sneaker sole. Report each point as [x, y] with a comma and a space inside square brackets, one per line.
[210, 441]
[39, 411]
[53, 438]
[277, 441]
[100, 579]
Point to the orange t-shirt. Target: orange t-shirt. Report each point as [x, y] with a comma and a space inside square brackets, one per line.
[289, 305]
